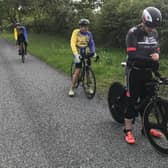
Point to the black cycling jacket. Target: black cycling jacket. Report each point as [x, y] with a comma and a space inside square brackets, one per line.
[140, 45]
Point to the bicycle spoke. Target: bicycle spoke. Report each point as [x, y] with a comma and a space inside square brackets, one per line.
[158, 113]
[165, 118]
[164, 123]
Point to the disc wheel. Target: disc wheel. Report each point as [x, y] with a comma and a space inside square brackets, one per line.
[117, 101]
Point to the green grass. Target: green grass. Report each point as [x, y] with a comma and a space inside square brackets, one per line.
[55, 51]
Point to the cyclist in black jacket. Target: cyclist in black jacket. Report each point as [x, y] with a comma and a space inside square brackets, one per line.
[143, 52]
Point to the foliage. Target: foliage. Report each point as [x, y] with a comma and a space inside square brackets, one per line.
[117, 17]
[55, 51]
[109, 24]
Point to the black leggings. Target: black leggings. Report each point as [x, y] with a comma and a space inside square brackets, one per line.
[136, 80]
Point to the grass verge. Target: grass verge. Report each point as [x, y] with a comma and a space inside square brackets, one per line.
[56, 52]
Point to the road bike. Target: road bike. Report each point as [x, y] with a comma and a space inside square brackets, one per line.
[153, 109]
[87, 77]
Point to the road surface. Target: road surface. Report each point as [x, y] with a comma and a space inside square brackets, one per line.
[41, 127]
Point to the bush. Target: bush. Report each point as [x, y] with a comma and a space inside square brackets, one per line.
[117, 17]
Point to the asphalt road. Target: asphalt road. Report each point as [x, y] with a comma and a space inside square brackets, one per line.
[41, 127]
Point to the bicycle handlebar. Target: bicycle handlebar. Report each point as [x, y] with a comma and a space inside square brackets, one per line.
[90, 55]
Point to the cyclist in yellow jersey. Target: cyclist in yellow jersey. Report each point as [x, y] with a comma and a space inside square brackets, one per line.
[81, 39]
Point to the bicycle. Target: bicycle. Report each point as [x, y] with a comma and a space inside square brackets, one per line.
[87, 77]
[153, 109]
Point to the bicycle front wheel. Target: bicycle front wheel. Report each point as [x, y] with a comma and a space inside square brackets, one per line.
[117, 101]
[89, 83]
[156, 118]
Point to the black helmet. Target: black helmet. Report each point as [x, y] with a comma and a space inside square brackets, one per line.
[151, 17]
[17, 24]
[84, 22]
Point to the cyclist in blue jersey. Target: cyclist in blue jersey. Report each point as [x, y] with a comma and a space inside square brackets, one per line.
[20, 35]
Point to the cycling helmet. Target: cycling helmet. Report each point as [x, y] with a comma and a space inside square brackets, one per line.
[21, 28]
[151, 17]
[17, 24]
[84, 22]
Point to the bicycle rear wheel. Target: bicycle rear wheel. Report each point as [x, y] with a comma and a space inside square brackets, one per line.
[156, 117]
[89, 83]
[23, 52]
[117, 101]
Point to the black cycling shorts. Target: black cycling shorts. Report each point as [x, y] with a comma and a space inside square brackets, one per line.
[136, 80]
[21, 39]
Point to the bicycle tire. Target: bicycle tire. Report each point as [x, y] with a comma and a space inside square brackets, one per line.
[117, 101]
[156, 117]
[89, 83]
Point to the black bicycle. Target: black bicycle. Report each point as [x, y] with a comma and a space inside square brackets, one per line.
[153, 110]
[87, 77]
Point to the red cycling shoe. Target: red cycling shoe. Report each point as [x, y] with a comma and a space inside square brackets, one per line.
[129, 137]
[155, 133]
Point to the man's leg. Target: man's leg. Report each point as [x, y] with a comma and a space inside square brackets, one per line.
[75, 79]
[19, 47]
[75, 76]
[90, 90]
[19, 44]
[132, 94]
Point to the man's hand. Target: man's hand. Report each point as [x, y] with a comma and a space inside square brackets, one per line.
[96, 57]
[155, 57]
[77, 58]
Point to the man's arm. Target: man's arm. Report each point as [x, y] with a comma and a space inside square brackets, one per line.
[155, 56]
[25, 34]
[91, 44]
[73, 42]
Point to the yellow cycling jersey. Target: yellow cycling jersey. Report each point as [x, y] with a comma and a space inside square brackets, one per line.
[15, 34]
[81, 40]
